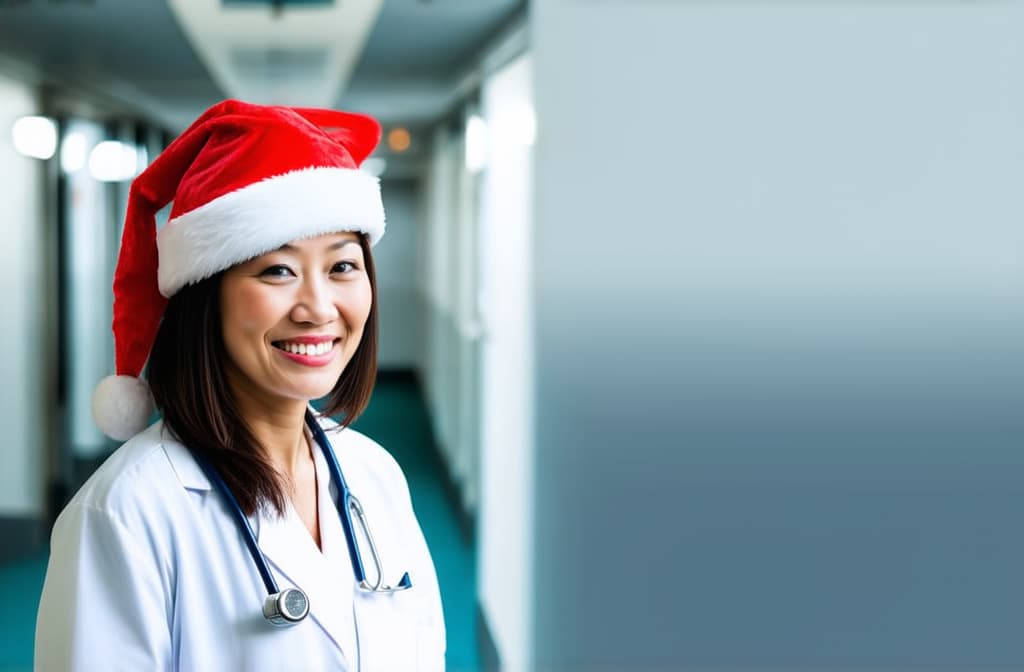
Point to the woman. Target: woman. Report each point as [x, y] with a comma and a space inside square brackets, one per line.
[221, 537]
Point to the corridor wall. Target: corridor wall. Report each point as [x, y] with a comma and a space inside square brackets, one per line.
[505, 514]
[23, 359]
[779, 272]
[477, 357]
[447, 271]
[395, 258]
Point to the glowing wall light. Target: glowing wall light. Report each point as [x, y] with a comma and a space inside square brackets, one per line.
[113, 161]
[35, 137]
[476, 144]
[74, 149]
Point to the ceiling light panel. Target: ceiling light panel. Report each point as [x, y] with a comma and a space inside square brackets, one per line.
[280, 63]
[276, 4]
[302, 53]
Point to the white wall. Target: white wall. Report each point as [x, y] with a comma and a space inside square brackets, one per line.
[450, 355]
[779, 271]
[435, 289]
[21, 304]
[505, 534]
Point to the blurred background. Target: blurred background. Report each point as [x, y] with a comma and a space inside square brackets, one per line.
[702, 322]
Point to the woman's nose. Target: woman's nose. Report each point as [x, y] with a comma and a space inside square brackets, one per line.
[314, 302]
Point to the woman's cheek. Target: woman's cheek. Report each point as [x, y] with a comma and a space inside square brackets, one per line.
[255, 311]
[364, 300]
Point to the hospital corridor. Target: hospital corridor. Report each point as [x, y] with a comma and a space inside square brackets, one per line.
[511, 335]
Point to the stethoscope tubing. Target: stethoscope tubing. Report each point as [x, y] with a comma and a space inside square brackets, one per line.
[240, 518]
[346, 502]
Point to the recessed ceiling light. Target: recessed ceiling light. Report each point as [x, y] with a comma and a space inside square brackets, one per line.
[399, 139]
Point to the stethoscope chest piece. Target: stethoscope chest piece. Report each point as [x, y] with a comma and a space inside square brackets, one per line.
[287, 607]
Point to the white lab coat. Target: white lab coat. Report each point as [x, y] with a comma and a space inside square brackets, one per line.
[148, 571]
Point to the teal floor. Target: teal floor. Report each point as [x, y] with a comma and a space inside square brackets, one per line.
[22, 581]
[397, 420]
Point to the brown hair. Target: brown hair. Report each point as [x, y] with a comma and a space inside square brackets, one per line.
[186, 373]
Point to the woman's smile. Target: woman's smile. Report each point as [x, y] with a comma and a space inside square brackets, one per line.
[308, 350]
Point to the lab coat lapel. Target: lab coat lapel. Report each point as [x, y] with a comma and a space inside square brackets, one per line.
[327, 582]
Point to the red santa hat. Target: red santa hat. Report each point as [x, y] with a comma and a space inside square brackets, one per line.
[244, 179]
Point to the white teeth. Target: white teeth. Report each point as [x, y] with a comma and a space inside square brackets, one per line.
[311, 350]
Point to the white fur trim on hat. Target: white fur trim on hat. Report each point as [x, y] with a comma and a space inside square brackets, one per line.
[122, 406]
[262, 217]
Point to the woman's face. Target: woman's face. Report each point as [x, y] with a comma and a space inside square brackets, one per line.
[293, 318]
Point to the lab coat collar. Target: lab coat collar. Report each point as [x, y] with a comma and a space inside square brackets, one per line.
[185, 466]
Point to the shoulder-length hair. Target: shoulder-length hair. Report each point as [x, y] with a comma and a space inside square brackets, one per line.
[186, 373]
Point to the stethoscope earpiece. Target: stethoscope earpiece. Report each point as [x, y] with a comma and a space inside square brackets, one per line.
[287, 607]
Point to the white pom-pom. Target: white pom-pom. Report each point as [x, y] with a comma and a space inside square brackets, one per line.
[122, 406]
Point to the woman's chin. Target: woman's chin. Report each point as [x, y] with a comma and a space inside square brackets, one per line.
[314, 394]
[305, 392]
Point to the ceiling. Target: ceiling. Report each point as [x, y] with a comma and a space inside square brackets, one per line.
[136, 57]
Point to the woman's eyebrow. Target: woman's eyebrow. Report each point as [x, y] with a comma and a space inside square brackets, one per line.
[288, 247]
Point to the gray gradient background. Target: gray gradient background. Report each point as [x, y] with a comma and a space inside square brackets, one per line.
[779, 271]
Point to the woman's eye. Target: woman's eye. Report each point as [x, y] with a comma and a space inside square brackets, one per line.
[277, 271]
[343, 267]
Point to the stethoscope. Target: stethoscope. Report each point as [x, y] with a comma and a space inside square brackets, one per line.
[289, 606]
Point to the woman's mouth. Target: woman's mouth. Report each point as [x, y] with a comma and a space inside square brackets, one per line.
[309, 354]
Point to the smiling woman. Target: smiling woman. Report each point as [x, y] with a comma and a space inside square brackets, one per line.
[241, 499]
[293, 318]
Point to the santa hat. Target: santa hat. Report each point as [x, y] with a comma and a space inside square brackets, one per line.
[245, 179]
